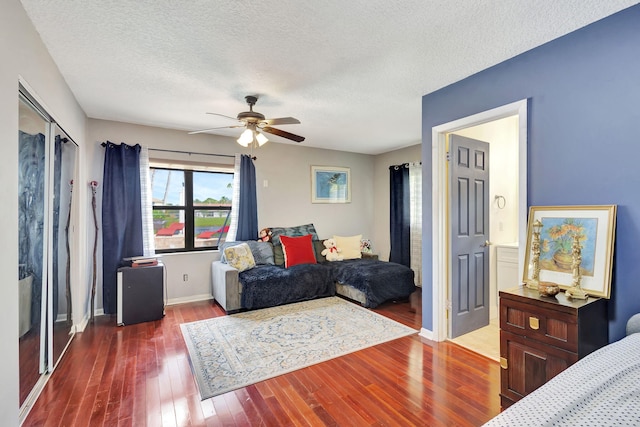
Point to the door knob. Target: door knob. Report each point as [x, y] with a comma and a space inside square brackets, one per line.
[485, 244]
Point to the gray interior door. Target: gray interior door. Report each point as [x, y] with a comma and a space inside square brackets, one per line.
[469, 213]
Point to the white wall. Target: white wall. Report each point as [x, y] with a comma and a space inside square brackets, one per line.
[285, 201]
[381, 242]
[23, 54]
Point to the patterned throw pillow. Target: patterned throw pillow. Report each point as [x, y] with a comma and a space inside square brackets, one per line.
[300, 230]
[262, 251]
[349, 246]
[298, 250]
[240, 257]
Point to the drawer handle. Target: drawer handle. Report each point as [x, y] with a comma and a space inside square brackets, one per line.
[534, 323]
[504, 364]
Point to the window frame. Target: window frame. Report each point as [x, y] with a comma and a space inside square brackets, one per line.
[189, 210]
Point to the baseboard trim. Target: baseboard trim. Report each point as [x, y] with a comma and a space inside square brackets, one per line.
[425, 333]
[82, 325]
[191, 298]
[31, 399]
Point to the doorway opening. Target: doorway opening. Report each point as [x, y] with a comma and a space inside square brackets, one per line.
[441, 232]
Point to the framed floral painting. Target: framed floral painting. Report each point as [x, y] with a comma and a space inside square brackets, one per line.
[595, 228]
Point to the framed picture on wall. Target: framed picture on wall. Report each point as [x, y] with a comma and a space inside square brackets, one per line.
[594, 227]
[330, 184]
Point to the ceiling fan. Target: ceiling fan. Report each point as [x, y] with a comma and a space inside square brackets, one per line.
[255, 124]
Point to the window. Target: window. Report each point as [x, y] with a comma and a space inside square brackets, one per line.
[191, 209]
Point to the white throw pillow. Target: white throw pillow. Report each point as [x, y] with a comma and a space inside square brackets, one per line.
[240, 257]
[349, 246]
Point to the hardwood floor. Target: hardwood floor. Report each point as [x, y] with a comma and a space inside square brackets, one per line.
[139, 375]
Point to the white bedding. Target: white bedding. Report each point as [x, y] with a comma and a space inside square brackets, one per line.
[602, 389]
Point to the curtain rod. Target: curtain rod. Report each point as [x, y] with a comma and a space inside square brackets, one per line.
[190, 152]
[406, 165]
[201, 154]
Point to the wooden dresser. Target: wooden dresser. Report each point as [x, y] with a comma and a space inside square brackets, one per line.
[541, 336]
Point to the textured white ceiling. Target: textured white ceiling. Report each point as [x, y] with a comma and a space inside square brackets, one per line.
[353, 72]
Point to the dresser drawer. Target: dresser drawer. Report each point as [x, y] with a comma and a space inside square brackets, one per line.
[527, 364]
[544, 325]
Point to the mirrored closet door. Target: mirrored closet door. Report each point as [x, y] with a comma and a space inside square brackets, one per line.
[47, 159]
[31, 268]
[60, 320]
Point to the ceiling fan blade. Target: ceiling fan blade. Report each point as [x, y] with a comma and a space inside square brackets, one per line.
[281, 121]
[210, 129]
[283, 134]
[222, 115]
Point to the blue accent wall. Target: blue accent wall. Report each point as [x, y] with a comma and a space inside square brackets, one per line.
[583, 92]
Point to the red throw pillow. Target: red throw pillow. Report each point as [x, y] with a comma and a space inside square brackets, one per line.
[297, 250]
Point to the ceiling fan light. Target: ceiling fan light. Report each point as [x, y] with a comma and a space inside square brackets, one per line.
[261, 139]
[246, 138]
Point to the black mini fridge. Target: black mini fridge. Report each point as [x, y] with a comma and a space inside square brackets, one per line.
[140, 294]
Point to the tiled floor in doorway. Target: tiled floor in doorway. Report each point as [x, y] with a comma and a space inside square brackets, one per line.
[485, 341]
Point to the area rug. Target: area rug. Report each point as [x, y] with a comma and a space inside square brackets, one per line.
[235, 351]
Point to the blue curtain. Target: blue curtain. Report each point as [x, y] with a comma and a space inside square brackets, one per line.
[121, 215]
[248, 206]
[400, 215]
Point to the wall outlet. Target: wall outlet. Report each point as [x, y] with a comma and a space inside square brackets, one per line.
[185, 277]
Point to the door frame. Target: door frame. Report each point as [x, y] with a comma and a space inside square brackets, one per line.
[441, 266]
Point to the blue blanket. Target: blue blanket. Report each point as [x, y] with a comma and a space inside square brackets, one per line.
[271, 285]
[380, 281]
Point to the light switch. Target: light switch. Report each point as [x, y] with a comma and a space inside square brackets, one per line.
[265, 183]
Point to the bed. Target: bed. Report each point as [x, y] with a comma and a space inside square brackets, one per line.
[602, 389]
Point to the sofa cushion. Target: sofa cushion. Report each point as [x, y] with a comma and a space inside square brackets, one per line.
[278, 256]
[300, 230]
[297, 250]
[262, 251]
[240, 257]
[269, 285]
[349, 246]
[380, 281]
[318, 247]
